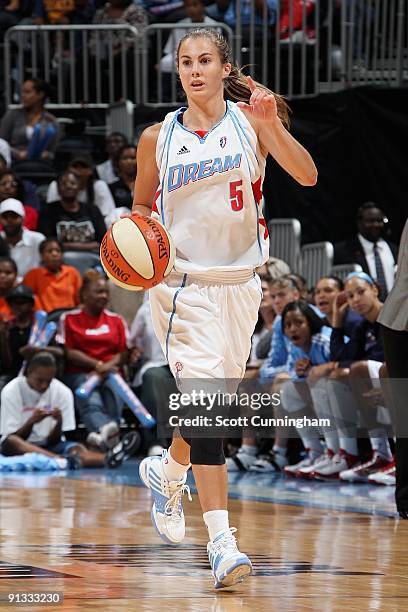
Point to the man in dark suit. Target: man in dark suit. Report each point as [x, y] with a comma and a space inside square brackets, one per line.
[375, 255]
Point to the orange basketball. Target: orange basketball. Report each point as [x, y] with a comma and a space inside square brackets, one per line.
[137, 253]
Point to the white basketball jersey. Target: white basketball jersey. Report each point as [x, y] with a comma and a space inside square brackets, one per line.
[210, 194]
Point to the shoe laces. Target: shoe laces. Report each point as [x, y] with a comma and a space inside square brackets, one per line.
[226, 542]
[173, 506]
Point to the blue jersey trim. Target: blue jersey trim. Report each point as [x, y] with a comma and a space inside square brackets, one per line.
[166, 143]
[239, 129]
[173, 312]
[200, 139]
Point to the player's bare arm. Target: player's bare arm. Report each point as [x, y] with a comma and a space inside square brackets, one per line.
[275, 139]
[147, 180]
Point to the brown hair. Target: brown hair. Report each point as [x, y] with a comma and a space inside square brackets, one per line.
[235, 85]
[89, 277]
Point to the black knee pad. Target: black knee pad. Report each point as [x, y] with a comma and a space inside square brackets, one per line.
[207, 451]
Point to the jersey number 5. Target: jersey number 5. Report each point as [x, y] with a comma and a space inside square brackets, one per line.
[236, 197]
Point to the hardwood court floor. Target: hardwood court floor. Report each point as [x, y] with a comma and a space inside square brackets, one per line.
[93, 541]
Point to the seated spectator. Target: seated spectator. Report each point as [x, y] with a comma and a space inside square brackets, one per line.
[309, 346]
[164, 11]
[8, 278]
[368, 247]
[95, 342]
[91, 191]
[9, 15]
[52, 11]
[122, 189]
[23, 243]
[228, 11]
[117, 12]
[78, 226]
[15, 330]
[362, 358]
[36, 411]
[11, 186]
[108, 170]
[31, 131]
[195, 10]
[153, 375]
[55, 284]
[274, 369]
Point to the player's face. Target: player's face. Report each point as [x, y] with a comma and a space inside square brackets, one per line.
[325, 293]
[280, 296]
[296, 328]
[361, 296]
[200, 69]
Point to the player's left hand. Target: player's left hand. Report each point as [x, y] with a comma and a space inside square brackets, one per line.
[262, 105]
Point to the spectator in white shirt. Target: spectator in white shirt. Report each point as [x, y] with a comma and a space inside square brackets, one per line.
[107, 171]
[367, 247]
[36, 410]
[22, 242]
[92, 191]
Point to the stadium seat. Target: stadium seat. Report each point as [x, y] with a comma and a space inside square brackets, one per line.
[81, 261]
[285, 241]
[343, 270]
[317, 261]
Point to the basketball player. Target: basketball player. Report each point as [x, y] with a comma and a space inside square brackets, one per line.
[203, 169]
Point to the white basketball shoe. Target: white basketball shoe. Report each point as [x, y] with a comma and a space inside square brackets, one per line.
[229, 565]
[167, 510]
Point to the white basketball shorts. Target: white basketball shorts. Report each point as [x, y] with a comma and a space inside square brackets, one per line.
[205, 328]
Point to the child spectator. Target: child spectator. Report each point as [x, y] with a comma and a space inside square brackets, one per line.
[78, 226]
[8, 277]
[22, 242]
[36, 410]
[95, 342]
[55, 284]
[91, 191]
[15, 330]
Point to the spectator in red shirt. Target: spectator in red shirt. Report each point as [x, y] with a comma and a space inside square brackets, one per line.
[95, 342]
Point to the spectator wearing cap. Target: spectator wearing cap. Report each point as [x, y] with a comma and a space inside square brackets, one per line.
[55, 284]
[22, 242]
[78, 226]
[31, 131]
[15, 331]
[91, 190]
[108, 170]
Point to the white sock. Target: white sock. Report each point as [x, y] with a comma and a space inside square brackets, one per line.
[281, 450]
[173, 470]
[349, 445]
[248, 449]
[216, 521]
[382, 447]
[311, 444]
[332, 441]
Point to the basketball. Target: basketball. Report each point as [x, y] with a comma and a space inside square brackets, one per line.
[137, 253]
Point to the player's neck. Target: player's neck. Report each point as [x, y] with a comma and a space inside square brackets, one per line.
[204, 115]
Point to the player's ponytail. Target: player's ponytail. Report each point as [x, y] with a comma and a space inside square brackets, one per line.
[237, 89]
[235, 85]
